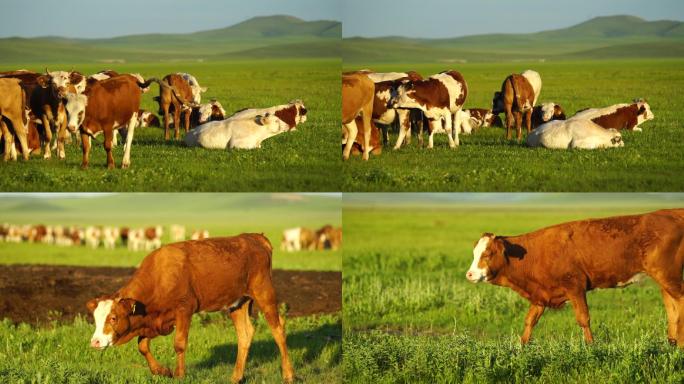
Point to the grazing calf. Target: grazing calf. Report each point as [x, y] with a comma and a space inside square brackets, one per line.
[357, 100]
[136, 239]
[12, 106]
[109, 236]
[92, 236]
[480, 118]
[180, 279]
[561, 263]
[516, 99]
[619, 116]
[583, 134]
[546, 112]
[329, 238]
[153, 237]
[441, 98]
[237, 133]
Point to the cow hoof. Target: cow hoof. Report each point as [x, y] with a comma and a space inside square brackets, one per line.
[672, 341]
[237, 380]
[125, 166]
[84, 166]
[110, 166]
[162, 371]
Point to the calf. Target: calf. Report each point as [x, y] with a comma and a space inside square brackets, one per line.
[619, 116]
[516, 99]
[357, 100]
[329, 238]
[199, 234]
[180, 279]
[233, 133]
[105, 107]
[546, 112]
[177, 96]
[12, 106]
[153, 237]
[575, 133]
[440, 97]
[561, 263]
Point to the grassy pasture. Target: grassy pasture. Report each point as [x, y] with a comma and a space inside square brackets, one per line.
[303, 160]
[485, 161]
[410, 316]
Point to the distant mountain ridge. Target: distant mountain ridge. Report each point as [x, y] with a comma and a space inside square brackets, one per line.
[621, 34]
[253, 35]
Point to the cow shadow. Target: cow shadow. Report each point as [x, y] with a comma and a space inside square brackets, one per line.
[312, 341]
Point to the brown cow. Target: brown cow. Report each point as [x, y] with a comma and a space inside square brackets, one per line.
[515, 99]
[329, 238]
[561, 263]
[546, 112]
[12, 106]
[176, 98]
[307, 239]
[105, 106]
[357, 100]
[180, 279]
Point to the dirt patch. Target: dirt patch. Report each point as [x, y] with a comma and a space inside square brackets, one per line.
[38, 294]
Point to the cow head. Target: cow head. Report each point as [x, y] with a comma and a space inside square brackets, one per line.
[548, 110]
[75, 108]
[644, 111]
[115, 320]
[405, 97]
[211, 111]
[490, 255]
[58, 81]
[498, 103]
[78, 81]
[301, 111]
[271, 123]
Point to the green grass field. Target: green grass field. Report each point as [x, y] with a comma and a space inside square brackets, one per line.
[303, 160]
[486, 161]
[59, 352]
[410, 316]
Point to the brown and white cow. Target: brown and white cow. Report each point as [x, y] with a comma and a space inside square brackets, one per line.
[178, 96]
[546, 112]
[211, 111]
[516, 100]
[329, 237]
[441, 98]
[357, 100]
[147, 119]
[290, 115]
[619, 116]
[106, 106]
[480, 118]
[153, 237]
[180, 279]
[12, 106]
[561, 263]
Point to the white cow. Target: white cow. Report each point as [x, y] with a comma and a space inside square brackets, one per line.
[247, 133]
[291, 241]
[574, 133]
[177, 232]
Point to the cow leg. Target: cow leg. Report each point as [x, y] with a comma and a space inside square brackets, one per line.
[531, 320]
[528, 121]
[180, 339]
[47, 133]
[367, 114]
[457, 127]
[518, 125]
[108, 133]
[155, 367]
[61, 131]
[579, 305]
[9, 142]
[266, 299]
[166, 122]
[404, 126]
[187, 121]
[672, 316]
[448, 122]
[431, 131]
[245, 331]
[671, 284]
[85, 145]
[352, 131]
[129, 140]
[176, 122]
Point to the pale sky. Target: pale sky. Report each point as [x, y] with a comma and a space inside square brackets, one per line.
[453, 18]
[97, 18]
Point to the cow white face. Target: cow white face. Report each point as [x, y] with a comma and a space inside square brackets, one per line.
[75, 107]
[113, 320]
[478, 269]
[548, 110]
[301, 113]
[404, 97]
[102, 314]
[60, 81]
[647, 113]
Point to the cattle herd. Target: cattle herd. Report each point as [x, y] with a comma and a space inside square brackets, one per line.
[108, 237]
[40, 112]
[405, 98]
[305, 239]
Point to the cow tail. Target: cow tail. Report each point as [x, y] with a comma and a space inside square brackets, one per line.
[516, 92]
[24, 117]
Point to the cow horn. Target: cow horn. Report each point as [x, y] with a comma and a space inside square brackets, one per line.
[46, 71]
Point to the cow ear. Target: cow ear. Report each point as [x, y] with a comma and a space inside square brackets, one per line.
[91, 305]
[43, 81]
[642, 110]
[75, 77]
[513, 250]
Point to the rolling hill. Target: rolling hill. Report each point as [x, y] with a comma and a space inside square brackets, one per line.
[285, 36]
[598, 38]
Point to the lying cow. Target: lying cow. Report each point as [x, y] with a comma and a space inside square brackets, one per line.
[619, 116]
[561, 263]
[180, 279]
[147, 119]
[211, 111]
[518, 95]
[12, 106]
[292, 113]
[357, 100]
[546, 112]
[236, 133]
[575, 133]
[441, 98]
[480, 118]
